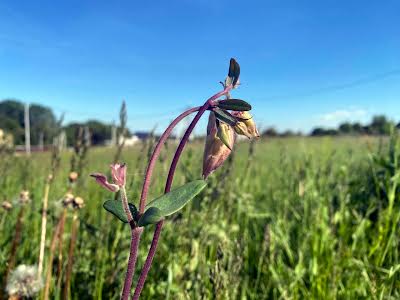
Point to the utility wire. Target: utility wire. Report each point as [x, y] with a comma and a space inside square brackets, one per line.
[337, 87]
[322, 90]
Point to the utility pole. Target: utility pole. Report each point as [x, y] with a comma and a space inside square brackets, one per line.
[27, 130]
[41, 141]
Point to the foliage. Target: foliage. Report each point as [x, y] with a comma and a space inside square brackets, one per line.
[42, 121]
[379, 125]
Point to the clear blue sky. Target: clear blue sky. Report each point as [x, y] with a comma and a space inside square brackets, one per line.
[304, 63]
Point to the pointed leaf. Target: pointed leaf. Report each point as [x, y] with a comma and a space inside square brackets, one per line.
[151, 216]
[234, 104]
[225, 116]
[116, 208]
[178, 198]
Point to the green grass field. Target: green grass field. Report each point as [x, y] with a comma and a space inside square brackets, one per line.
[296, 218]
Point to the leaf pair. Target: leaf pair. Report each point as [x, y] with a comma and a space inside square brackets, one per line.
[160, 207]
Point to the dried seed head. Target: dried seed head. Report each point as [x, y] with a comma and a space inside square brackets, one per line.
[78, 203]
[6, 205]
[73, 176]
[24, 281]
[24, 197]
[68, 200]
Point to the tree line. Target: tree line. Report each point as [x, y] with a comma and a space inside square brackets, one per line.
[379, 125]
[44, 124]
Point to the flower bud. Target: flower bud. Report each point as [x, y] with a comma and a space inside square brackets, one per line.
[245, 125]
[102, 180]
[226, 135]
[118, 174]
[216, 152]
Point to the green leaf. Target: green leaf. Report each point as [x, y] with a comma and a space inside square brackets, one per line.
[151, 216]
[225, 116]
[116, 208]
[234, 104]
[178, 198]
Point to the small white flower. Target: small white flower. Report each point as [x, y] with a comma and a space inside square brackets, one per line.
[24, 281]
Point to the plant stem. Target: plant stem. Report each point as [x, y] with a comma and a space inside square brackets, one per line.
[157, 232]
[156, 153]
[149, 261]
[135, 239]
[136, 232]
[55, 239]
[74, 230]
[15, 243]
[125, 204]
[44, 223]
[60, 248]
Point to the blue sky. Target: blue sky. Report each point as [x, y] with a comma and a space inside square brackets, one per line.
[304, 63]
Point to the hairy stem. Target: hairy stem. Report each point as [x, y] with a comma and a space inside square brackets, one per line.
[135, 239]
[125, 204]
[157, 232]
[149, 261]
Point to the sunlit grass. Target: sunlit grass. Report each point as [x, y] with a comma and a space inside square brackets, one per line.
[301, 218]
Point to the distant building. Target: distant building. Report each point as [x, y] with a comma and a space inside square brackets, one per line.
[129, 141]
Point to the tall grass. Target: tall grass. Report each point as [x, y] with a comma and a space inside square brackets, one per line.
[301, 218]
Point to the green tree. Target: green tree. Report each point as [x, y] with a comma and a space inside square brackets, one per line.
[345, 128]
[380, 125]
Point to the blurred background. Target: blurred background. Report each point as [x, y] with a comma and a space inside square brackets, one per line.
[310, 210]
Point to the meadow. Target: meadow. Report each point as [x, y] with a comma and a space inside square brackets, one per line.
[284, 218]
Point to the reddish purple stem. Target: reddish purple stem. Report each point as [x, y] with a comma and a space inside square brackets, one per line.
[136, 232]
[171, 173]
[156, 153]
[135, 239]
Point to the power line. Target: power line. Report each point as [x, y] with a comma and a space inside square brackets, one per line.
[337, 87]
